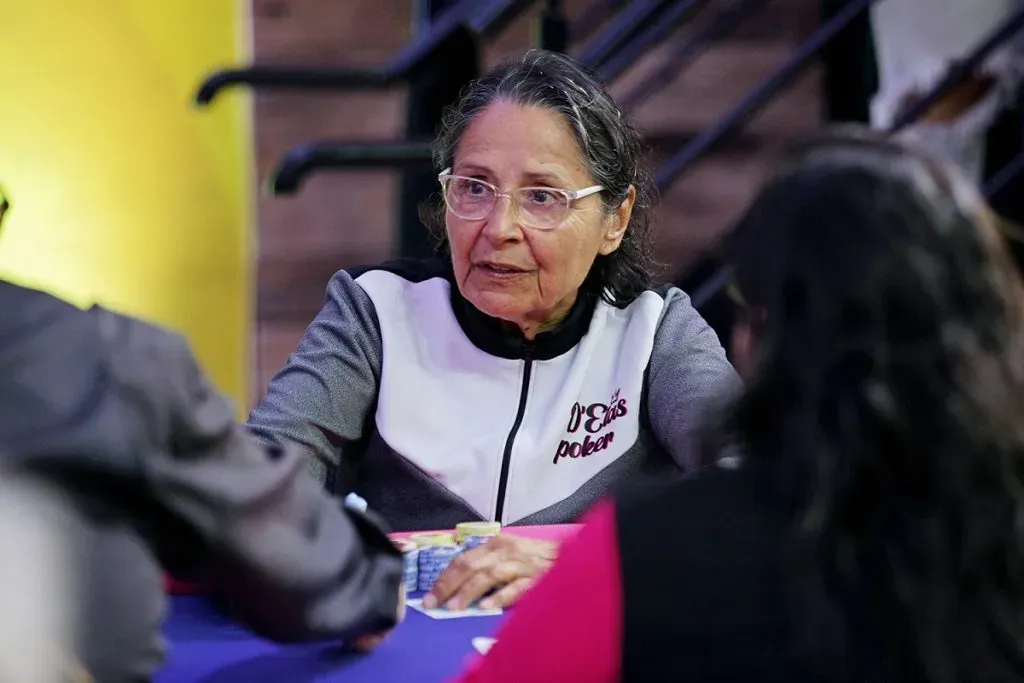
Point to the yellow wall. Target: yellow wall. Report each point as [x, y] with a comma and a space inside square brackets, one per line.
[122, 193]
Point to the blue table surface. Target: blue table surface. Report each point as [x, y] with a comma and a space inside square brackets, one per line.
[205, 645]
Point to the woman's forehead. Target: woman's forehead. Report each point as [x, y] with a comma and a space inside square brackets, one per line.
[511, 140]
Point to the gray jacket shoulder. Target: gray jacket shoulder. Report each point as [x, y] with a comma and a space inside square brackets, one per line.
[322, 397]
[690, 379]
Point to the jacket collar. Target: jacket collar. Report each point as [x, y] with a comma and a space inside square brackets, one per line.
[492, 336]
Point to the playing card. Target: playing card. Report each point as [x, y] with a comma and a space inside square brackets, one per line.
[441, 613]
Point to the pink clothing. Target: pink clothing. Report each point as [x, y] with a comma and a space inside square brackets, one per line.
[580, 600]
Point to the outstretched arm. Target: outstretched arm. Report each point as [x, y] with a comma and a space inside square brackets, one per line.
[293, 561]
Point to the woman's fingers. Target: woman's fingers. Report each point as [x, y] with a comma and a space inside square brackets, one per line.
[499, 563]
[462, 569]
[509, 594]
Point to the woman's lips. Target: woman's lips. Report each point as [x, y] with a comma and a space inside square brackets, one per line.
[501, 271]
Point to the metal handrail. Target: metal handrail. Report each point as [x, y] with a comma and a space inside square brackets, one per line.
[1003, 176]
[961, 70]
[482, 20]
[759, 96]
[479, 17]
[635, 19]
[672, 17]
[285, 77]
[955, 74]
[715, 29]
[491, 18]
[301, 161]
[593, 16]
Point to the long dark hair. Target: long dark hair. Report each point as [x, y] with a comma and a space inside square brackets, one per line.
[610, 148]
[890, 401]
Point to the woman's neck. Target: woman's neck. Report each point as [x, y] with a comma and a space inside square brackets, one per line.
[531, 327]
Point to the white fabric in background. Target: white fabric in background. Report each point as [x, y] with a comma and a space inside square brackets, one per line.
[915, 43]
[36, 586]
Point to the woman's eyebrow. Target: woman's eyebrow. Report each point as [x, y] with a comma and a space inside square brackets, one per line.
[470, 167]
[529, 178]
[546, 179]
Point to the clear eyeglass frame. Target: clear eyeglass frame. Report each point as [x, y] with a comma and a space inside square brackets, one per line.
[537, 216]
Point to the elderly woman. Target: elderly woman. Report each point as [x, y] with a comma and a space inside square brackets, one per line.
[518, 379]
[872, 531]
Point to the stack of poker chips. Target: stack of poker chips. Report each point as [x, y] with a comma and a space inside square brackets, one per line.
[436, 551]
[426, 556]
[410, 564]
[473, 534]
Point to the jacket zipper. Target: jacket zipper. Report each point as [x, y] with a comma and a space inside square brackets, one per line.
[506, 460]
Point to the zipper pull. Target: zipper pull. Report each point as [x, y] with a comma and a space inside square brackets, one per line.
[527, 351]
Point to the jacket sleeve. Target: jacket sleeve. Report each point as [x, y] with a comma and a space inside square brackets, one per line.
[689, 380]
[324, 395]
[293, 562]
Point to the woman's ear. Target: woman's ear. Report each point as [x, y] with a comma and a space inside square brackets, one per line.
[617, 223]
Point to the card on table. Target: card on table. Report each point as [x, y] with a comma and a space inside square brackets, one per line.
[441, 613]
[482, 644]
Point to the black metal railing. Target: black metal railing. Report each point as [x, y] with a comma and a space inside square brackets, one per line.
[685, 52]
[303, 160]
[617, 43]
[641, 25]
[647, 35]
[481, 18]
[959, 72]
[637, 18]
[468, 20]
[759, 96]
[594, 15]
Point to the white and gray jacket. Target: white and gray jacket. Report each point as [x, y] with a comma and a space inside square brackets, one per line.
[436, 414]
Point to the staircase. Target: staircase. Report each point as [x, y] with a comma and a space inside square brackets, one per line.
[340, 220]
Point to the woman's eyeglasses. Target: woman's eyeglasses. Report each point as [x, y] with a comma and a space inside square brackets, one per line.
[541, 208]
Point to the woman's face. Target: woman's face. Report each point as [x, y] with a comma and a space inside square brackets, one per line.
[511, 271]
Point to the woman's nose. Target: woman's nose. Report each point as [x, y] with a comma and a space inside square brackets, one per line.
[503, 224]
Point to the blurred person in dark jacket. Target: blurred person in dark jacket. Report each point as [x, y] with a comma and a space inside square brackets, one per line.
[871, 529]
[116, 414]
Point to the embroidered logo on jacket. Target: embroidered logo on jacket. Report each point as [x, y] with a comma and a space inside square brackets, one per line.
[592, 419]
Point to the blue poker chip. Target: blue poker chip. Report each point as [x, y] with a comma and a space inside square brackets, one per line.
[471, 542]
[411, 569]
[432, 561]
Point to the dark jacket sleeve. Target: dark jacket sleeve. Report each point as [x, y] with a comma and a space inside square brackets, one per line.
[293, 562]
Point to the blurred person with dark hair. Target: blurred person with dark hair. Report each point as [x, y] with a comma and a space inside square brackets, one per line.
[116, 415]
[871, 529]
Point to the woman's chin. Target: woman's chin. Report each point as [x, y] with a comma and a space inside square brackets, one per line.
[498, 305]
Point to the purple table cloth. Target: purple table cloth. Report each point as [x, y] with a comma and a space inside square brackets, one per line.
[205, 646]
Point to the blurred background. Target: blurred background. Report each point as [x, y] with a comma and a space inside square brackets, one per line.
[122, 192]
[152, 170]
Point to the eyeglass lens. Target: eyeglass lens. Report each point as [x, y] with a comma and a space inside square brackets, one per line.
[536, 206]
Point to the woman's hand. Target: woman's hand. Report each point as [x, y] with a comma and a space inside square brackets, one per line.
[507, 563]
